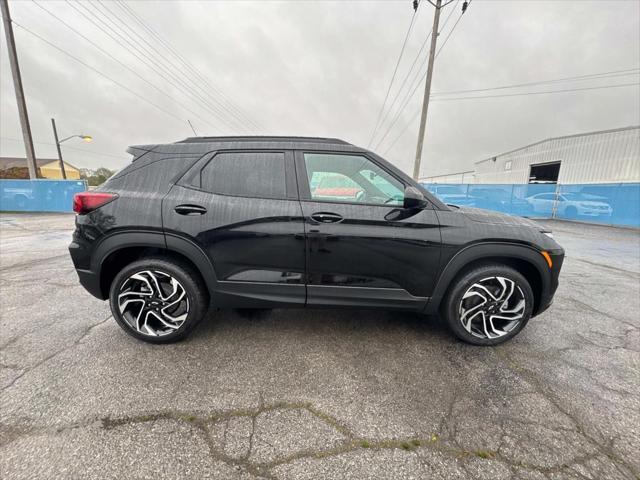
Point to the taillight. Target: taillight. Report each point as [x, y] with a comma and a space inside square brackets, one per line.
[86, 202]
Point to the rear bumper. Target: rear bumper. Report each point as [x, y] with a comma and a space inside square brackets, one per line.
[88, 279]
[91, 283]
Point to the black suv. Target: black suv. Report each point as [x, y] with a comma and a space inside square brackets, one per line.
[264, 222]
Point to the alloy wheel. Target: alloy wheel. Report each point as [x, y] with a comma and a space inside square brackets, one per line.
[492, 307]
[153, 303]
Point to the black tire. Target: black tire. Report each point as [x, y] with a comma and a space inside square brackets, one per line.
[571, 212]
[194, 288]
[452, 305]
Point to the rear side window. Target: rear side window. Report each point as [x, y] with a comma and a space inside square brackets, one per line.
[245, 174]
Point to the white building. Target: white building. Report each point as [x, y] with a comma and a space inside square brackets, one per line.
[608, 156]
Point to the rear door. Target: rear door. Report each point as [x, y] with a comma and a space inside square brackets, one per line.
[363, 248]
[241, 208]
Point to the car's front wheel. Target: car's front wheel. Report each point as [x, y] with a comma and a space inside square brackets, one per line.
[489, 305]
[158, 300]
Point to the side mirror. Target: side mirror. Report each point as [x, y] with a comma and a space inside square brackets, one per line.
[413, 198]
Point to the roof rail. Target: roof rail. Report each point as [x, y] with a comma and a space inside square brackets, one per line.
[258, 138]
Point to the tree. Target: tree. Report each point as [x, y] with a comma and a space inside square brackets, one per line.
[97, 177]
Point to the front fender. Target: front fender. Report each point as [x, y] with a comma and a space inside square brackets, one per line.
[479, 251]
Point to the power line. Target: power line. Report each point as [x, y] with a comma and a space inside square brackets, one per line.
[105, 52]
[536, 93]
[407, 97]
[416, 112]
[150, 49]
[592, 76]
[111, 33]
[411, 92]
[146, 56]
[395, 71]
[97, 71]
[69, 147]
[406, 77]
[188, 64]
[452, 29]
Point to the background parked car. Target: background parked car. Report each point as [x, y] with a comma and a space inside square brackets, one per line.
[498, 199]
[452, 195]
[570, 205]
[337, 187]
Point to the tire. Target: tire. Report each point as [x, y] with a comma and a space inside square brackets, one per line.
[491, 327]
[571, 212]
[163, 310]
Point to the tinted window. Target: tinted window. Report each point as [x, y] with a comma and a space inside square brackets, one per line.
[255, 174]
[351, 178]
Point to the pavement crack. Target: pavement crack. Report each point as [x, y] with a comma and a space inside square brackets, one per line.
[55, 354]
[608, 267]
[542, 390]
[200, 423]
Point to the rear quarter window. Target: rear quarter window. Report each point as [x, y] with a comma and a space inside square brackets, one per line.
[155, 174]
[245, 174]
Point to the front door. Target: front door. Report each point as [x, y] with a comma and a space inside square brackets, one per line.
[362, 248]
[242, 210]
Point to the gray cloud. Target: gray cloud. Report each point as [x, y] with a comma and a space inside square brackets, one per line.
[322, 68]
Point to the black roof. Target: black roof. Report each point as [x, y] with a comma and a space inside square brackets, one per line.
[270, 138]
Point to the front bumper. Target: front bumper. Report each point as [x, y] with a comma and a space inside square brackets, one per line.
[546, 298]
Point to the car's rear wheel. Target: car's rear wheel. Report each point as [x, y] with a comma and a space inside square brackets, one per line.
[489, 305]
[158, 300]
[571, 212]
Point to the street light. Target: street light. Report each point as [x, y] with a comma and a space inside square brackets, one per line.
[85, 138]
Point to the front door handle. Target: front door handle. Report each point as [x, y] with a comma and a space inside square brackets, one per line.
[326, 217]
[190, 210]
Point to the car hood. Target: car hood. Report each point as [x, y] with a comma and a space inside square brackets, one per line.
[488, 216]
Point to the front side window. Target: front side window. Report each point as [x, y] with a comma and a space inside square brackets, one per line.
[245, 174]
[351, 179]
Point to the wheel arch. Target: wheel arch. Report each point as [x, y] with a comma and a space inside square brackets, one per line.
[523, 258]
[122, 248]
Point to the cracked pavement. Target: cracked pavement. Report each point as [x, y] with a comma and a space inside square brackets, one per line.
[294, 394]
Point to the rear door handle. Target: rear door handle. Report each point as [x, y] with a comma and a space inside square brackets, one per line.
[326, 217]
[190, 210]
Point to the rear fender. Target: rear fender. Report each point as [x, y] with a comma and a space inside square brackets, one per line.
[121, 240]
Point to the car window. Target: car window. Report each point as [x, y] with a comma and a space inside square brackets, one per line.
[352, 179]
[245, 174]
[548, 196]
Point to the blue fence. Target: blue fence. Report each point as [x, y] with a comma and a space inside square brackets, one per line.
[605, 203]
[39, 195]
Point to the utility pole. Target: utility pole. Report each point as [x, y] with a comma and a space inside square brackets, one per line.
[17, 84]
[55, 135]
[427, 89]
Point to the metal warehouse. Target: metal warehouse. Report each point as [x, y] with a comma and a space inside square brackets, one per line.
[607, 156]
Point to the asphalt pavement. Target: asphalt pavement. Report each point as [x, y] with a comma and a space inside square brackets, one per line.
[294, 394]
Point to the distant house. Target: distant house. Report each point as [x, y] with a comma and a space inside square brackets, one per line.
[16, 167]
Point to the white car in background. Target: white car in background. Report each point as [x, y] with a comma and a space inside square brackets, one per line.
[570, 204]
[452, 195]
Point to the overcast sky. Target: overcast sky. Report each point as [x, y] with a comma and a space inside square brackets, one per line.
[321, 68]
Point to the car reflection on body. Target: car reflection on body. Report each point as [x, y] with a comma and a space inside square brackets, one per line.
[498, 199]
[452, 195]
